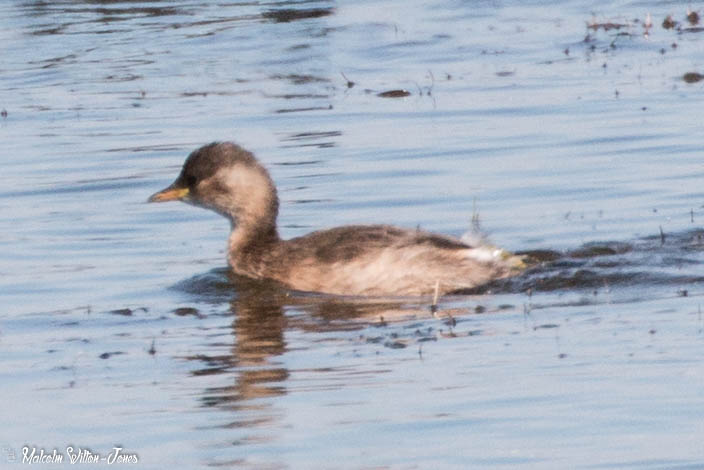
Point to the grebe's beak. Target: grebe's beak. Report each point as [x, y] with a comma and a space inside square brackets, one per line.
[172, 193]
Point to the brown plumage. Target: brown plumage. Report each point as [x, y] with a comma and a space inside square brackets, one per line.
[370, 260]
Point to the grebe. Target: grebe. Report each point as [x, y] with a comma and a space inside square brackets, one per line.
[360, 260]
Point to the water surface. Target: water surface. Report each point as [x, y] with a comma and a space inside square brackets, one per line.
[122, 327]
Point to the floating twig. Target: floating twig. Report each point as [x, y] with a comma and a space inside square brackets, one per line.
[394, 94]
[350, 83]
[434, 306]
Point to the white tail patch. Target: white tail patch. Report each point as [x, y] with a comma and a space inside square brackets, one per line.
[486, 254]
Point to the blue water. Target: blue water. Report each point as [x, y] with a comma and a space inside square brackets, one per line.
[121, 327]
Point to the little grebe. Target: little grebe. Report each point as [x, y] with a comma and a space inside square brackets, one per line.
[370, 260]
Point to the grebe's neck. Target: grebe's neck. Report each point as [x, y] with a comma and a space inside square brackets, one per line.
[246, 196]
[249, 236]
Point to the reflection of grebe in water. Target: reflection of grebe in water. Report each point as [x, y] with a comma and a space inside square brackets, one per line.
[372, 260]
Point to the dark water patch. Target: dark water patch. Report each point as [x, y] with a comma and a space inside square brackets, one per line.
[300, 79]
[692, 77]
[606, 26]
[286, 15]
[128, 312]
[214, 286]
[372, 339]
[55, 61]
[546, 326]
[187, 311]
[545, 280]
[312, 135]
[303, 110]
[644, 264]
[321, 139]
[108, 355]
[106, 14]
[299, 163]
[50, 31]
[308, 201]
[251, 384]
[161, 147]
[594, 249]
[394, 94]
[540, 256]
[396, 344]
[299, 96]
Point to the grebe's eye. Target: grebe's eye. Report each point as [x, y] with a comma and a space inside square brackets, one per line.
[190, 181]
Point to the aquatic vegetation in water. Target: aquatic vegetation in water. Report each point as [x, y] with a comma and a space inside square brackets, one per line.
[692, 77]
[394, 94]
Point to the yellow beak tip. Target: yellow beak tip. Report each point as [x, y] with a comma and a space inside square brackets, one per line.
[169, 194]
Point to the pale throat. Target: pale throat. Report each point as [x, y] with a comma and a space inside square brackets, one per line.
[247, 197]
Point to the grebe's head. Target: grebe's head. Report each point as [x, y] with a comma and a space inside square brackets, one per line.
[227, 179]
